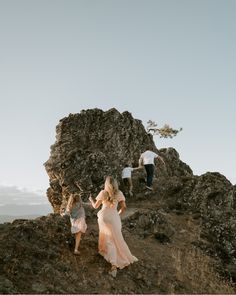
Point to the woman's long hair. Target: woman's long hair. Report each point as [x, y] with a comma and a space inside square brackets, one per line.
[75, 198]
[111, 187]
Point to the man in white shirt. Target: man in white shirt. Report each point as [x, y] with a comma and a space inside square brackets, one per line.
[147, 159]
[126, 176]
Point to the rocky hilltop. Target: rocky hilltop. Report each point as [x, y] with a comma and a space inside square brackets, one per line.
[93, 144]
[183, 232]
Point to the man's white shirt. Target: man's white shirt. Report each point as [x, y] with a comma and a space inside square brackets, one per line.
[148, 157]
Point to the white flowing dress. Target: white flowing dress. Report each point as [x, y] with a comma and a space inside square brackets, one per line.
[112, 245]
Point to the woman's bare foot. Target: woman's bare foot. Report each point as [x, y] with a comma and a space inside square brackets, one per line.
[76, 252]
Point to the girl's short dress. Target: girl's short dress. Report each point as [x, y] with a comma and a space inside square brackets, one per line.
[77, 219]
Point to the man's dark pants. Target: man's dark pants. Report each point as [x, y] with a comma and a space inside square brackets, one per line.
[150, 173]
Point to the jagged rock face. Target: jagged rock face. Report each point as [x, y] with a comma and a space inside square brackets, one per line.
[174, 166]
[212, 196]
[89, 146]
[209, 194]
[148, 222]
[93, 144]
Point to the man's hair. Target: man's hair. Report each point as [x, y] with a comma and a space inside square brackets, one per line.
[149, 147]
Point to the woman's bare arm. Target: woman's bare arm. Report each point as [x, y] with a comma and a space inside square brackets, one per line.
[122, 205]
[95, 204]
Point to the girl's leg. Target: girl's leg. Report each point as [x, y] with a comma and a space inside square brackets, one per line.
[77, 241]
[130, 186]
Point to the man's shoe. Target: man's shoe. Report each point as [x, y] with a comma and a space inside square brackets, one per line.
[150, 188]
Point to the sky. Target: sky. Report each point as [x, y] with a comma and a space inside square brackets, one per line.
[171, 61]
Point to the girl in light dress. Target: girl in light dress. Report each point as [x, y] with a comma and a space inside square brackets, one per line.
[77, 218]
[111, 244]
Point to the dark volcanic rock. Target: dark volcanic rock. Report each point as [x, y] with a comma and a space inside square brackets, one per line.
[209, 194]
[150, 222]
[93, 144]
[212, 194]
[213, 197]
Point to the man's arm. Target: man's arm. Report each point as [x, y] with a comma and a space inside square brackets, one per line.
[160, 158]
[140, 162]
[136, 168]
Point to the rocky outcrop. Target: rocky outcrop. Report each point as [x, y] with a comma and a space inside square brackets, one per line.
[89, 146]
[183, 232]
[211, 198]
[208, 194]
[93, 144]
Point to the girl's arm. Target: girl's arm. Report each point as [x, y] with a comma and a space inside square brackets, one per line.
[69, 203]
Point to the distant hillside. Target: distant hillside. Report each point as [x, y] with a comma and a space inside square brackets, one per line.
[9, 218]
[16, 210]
[15, 203]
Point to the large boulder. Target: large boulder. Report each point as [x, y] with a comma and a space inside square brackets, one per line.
[208, 194]
[211, 198]
[89, 146]
[93, 144]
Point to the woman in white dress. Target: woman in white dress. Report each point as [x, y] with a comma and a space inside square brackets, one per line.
[112, 245]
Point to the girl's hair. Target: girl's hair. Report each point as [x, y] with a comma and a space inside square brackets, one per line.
[75, 197]
[111, 187]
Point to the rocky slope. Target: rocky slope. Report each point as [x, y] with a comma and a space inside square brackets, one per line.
[183, 232]
[38, 256]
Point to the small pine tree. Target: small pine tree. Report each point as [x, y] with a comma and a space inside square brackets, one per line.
[164, 132]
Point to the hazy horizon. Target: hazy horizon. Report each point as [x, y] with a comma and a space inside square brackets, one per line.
[169, 61]
[20, 202]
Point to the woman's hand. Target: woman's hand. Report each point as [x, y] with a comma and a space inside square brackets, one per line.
[95, 204]
[91, 199]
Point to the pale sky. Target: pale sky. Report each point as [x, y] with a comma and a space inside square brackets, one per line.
[172, 61]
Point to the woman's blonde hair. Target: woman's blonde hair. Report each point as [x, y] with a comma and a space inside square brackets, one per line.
[74, 198]
[112, 188]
